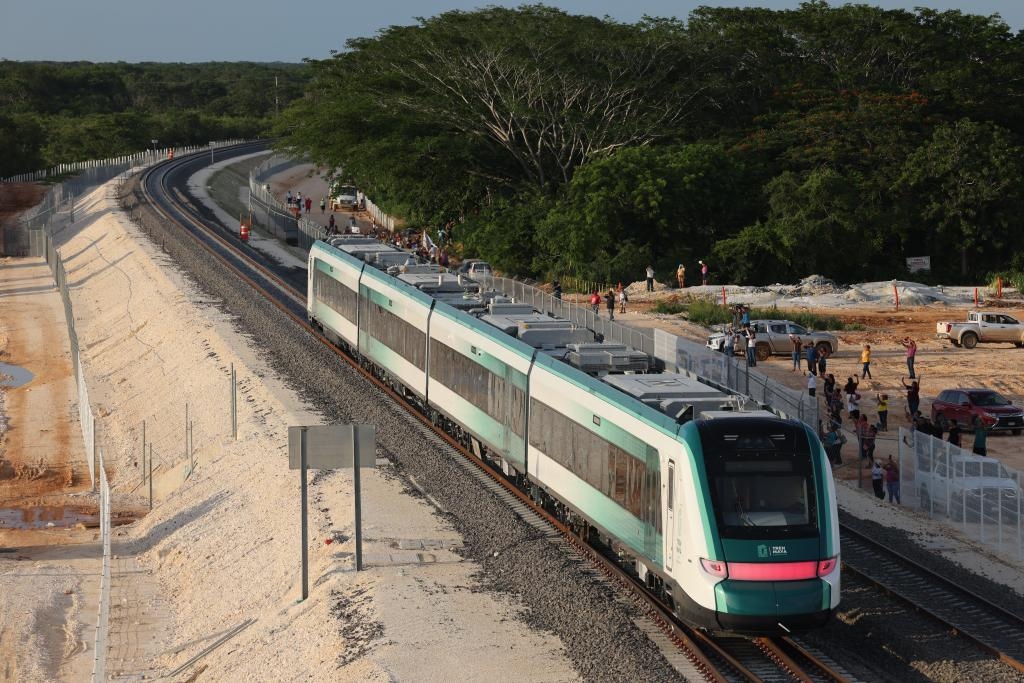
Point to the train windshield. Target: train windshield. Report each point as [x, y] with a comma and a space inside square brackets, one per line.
[761, 478]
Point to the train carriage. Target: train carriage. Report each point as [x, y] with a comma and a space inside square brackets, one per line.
[731, 514]
[333, 293]
[393, 319]
[478, 378]
[598, 456]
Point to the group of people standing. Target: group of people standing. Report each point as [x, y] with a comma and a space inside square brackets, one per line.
[742, 334]
[890, 473]
[680, 275]
[921, 424]
[617, 295]
[298, 204]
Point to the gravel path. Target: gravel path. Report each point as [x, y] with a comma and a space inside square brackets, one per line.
[601, 639]
[873, 637]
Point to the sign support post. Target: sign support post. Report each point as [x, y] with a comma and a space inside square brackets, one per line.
[358, 500]
[326, 447]
[305, 523]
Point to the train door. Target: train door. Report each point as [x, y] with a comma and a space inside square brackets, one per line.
[670, 515]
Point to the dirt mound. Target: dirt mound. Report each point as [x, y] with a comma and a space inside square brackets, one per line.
[16, 198]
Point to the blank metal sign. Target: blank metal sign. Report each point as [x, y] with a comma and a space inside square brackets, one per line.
[332, 446]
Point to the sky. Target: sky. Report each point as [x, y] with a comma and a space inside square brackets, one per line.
[264, 31]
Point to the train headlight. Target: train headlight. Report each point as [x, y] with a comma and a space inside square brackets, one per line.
[715, 567]
[825, 567]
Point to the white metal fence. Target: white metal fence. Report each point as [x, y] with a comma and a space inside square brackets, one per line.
[274, 217]
[976, 494]
[54, 211]
[45, 222]
[35, 230]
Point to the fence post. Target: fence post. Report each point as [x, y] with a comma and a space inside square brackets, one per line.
[234, 405]
[95, 456]
[860, 457]
[143, 451]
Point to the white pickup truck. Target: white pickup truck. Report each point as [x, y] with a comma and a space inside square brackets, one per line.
[982, 327]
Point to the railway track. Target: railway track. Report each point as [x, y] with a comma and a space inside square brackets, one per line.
[986, 624]
[693, 653]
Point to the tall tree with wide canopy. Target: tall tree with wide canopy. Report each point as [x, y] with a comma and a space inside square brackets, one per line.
[529, 95]
[966, 183]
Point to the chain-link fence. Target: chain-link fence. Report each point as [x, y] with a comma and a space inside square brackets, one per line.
[76, 180]
[267, 212]
[977, 494]
[271, 216]
[36, 229]
[58, 210]
[99, 662]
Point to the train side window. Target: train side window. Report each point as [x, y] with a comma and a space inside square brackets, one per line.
[671, 484]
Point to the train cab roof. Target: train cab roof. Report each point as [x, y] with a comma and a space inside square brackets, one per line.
[680, 397]
[343, 242]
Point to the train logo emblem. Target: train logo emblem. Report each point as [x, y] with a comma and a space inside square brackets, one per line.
[764, 550]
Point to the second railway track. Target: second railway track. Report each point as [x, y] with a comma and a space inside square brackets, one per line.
[795, 663]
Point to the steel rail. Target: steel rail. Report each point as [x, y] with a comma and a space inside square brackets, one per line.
[953, 616]
[693, 643]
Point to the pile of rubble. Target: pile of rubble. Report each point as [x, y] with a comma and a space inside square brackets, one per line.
[812, 285]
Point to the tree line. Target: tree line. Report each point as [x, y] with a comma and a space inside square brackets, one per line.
[55, 112]
[773, 144]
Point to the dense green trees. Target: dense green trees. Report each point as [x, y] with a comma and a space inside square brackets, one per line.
[823, 139]
[835, 139]
[60, 112]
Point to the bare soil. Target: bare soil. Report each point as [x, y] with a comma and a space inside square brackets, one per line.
[43, 514]
[15, 198]
[40, 448]
[939, 365]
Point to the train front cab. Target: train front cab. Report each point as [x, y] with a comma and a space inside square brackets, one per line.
[774, 529]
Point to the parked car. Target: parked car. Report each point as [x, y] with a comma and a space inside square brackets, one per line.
[963, 405]
[982, 327]
[967, 487]
[344, 197]
[773, 338]
[473, 267]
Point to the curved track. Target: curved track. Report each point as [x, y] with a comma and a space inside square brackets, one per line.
[701, 655]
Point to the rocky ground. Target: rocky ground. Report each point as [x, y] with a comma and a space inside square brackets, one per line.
[400, 619]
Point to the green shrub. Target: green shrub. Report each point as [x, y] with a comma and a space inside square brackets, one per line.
[671, 307]
[708, 314]
[1011, 278]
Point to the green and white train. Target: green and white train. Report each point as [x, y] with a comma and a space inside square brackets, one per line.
[730, 515]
